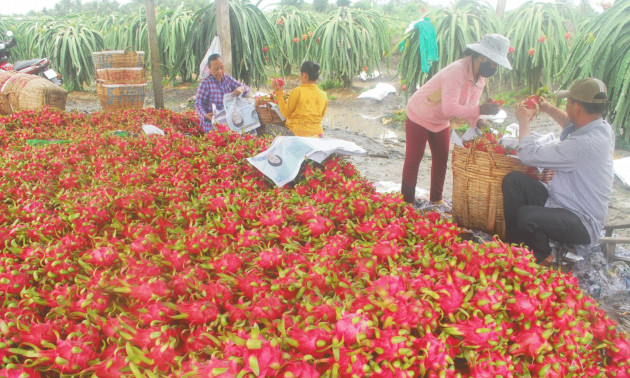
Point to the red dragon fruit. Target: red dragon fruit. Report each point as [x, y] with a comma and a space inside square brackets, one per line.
[70, 356]
[311, 341]
[200, 312]
[299, 369]
[262, 358]
[14, 371]
[383, 250]
[522, 306]
[529, 343]
[492, 364]
[433, 353]
[352, 326]
[350, 363]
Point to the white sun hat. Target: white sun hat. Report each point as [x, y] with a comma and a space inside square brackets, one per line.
[494, 47]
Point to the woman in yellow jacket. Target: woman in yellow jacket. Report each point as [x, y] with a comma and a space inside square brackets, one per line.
[307, 103]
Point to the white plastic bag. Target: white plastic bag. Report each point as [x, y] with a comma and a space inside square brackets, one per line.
[378, 92]
[622, 170]
[152, 130]
[496, 118]
[215, 48]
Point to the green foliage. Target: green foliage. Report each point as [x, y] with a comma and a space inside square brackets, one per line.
[291, 23]
[602, 50]
[68, 43]
[511, 97]
[343, 3]
[329, 84]
[363, 4]
[347, 41]
[135, 5]
[464, 23]
[320, 5]
[400, 115]
[5, 25]
[291, 3]
[537, 32]
[250, 31]
[622, 144]
[172, 28]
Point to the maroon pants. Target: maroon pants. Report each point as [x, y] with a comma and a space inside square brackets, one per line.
[417, 137]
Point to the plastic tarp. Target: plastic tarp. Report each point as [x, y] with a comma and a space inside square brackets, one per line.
[281, 162]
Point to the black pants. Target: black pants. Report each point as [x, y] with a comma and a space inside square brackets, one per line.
[528, 221]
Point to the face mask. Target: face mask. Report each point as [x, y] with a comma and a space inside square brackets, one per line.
[486, 69]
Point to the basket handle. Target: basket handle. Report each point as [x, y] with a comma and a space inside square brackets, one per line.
[470, 155]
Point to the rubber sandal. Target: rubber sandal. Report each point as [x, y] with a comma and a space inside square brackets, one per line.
[547, 262]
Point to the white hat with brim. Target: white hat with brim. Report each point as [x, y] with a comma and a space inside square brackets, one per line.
[494, 47]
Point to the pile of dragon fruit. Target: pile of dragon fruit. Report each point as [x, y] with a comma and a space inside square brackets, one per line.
[124, 254]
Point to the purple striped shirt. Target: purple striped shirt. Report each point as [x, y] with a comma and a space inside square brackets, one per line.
[210, 92]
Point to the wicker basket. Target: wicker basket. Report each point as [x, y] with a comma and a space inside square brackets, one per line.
[477, 188]
[29, 92]
[118, 59]
[121, 96]
[121, 75]
[267, 115]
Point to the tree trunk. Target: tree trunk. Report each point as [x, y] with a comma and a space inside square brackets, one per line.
[500, 8]
[156, 67]
[223, 30]
[286, 67]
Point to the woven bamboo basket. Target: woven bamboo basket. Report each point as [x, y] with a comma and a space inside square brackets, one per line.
[477, 188]
[267, 115]
[121, 75]
[29, 92]
[121, 96]
[118, 59]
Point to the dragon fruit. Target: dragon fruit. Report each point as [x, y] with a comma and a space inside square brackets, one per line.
[301, 369]
[350, 363]
[201, 312]
[383, 250]
[529, 343]
[70, 356]
[434, 355]
[311, 341]
[476, 333]
[522, 306]
[352, 326]
[262, 358]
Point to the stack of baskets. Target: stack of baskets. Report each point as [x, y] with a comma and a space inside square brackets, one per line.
[477, 187]
[121, 82]
[29, 92]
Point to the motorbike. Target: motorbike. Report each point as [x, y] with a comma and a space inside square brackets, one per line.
[38, 66]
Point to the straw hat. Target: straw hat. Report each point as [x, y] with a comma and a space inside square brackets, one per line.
[494, 47]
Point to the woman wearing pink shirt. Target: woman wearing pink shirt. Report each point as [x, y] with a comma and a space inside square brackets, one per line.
[453, 92]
